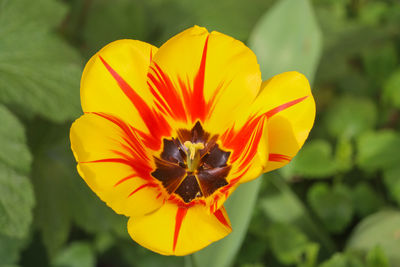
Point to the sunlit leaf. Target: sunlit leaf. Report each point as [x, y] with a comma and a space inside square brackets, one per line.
[378, 150]
[376, 258]
[287, 38]
[391, 91]
[381, 229]
[342, 260]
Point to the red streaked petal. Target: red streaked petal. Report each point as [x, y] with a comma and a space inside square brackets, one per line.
[222, 217]
[279, 157]
[180, 215]
[155, 122]
[282, 107]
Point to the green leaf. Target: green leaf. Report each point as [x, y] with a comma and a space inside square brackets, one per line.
[391, 90]
[16, 194]
[287, 38]
[380, 62]
[39, 72]
[378, 150]
[365, 199]
[342, 260]
[278, 197]
[290, 245]
[391, 178]
[14, 152]
[350, 116]
[376, 258]
[381, 229]
[77, 254]
[109, 21]
[332, 205]
[344, 154]
[314, 160]
[9, 250]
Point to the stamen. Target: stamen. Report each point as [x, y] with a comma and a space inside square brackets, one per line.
[193, 158]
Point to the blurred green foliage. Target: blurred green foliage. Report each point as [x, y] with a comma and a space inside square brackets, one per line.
[336, 204]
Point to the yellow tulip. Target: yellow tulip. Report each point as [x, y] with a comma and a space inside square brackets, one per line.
[168, 134]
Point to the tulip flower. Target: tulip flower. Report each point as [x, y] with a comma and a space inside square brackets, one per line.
[168, 134]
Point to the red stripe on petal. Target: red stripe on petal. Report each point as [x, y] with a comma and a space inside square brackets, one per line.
[278, 157]
[282, 107]
[125, 179]
[155, 123]
[198, 103]
[221, 218]
[141, 187]
[110, 160]
[180, 215]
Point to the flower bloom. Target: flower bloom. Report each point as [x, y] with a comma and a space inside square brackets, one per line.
[168, 134]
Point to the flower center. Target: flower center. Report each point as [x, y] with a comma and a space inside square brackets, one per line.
[192, 155]
[192, 165]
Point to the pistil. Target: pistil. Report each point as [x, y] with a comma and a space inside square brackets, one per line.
[193, 157]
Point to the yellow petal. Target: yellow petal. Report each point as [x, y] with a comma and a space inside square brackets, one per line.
[287, 102]
[114, 163]
[172, 230]
[100, 91]
[204, 76]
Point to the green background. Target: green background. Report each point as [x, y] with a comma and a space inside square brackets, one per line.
[337, 204]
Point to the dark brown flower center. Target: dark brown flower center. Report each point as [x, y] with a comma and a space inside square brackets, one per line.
[192, 165]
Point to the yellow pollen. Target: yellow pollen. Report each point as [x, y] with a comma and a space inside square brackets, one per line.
[193, 148]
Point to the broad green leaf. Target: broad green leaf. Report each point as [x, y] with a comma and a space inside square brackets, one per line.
[278, 197]
[342, 260]
[314, 160]
[109, 21]
[291, 246]
[380, 62]
[391, 89]
[391, 178]
[332, 205]
[16, 203]
[16, 194]
[298, 49]
[9, 250]
[14, 152]
[77, 254]
[238, 17]
[381, 229]
[378, 150]
[39, 72]
[376, 258]
[287, 38]
[365, 199]
[350, 116]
